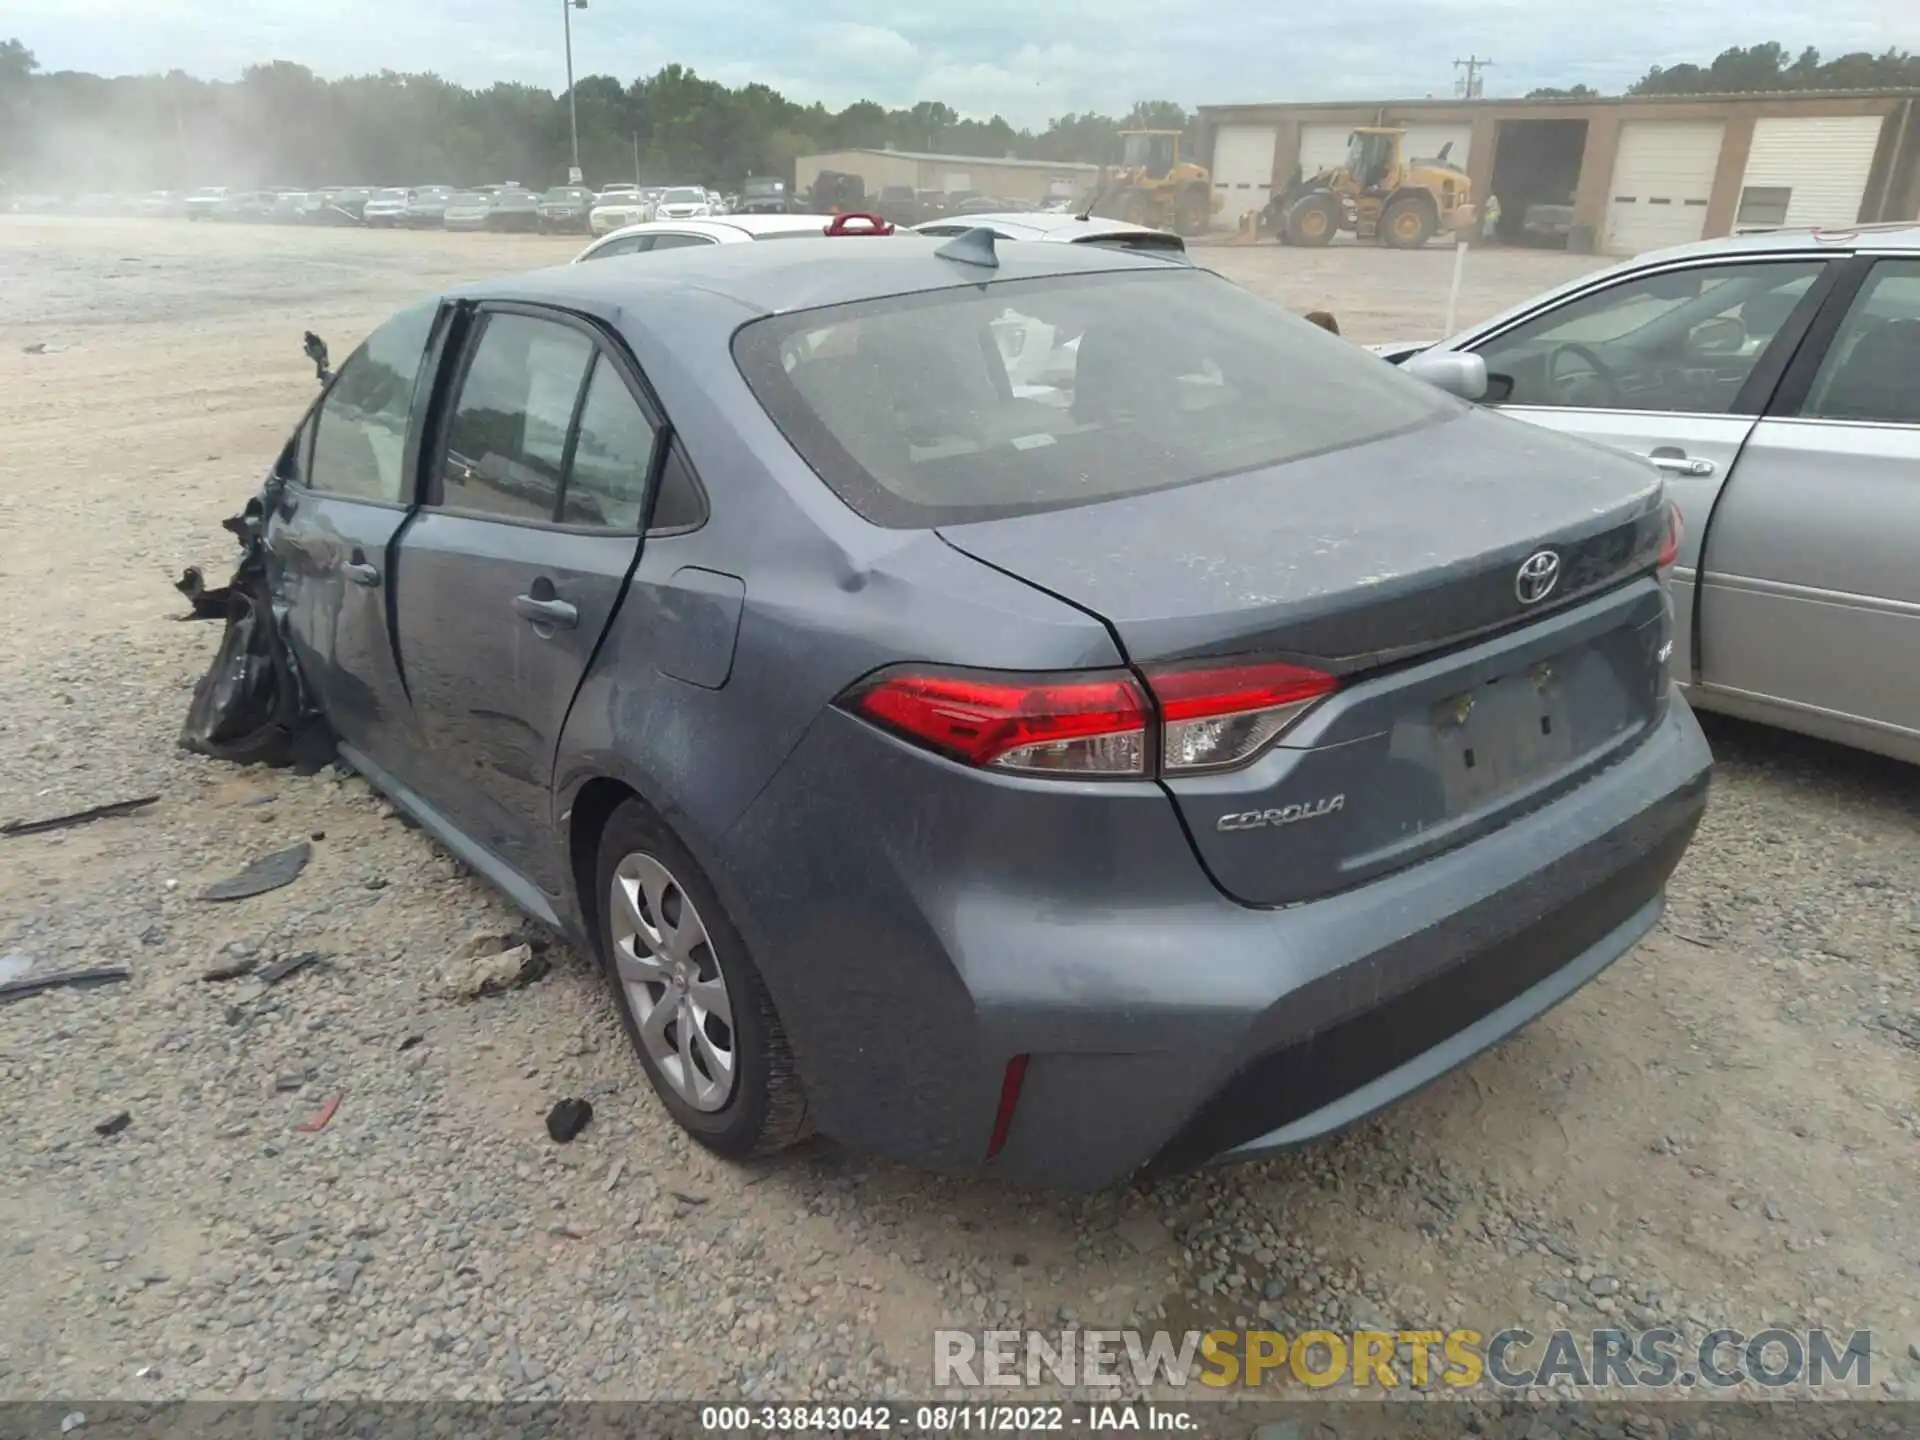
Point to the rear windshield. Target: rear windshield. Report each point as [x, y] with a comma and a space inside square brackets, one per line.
[1033, 395]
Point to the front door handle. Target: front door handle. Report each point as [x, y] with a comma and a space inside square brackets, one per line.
[557, 613]
[1676, 463]
[361, 573]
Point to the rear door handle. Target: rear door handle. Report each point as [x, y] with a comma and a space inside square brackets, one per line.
[557, 613]
[1681, 465]
[361, 573]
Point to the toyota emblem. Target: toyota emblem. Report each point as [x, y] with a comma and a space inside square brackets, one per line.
[1539, 573]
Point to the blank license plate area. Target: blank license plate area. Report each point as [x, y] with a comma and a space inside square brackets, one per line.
[1500, 736]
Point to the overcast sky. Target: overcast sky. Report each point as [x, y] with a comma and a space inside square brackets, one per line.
[1028, 61]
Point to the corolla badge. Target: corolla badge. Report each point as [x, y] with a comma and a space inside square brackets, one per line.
[1285, 815]
[1539, 573]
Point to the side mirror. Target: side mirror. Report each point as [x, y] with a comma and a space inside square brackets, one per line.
[316, 350]
[1724, 335]
[1455, 372]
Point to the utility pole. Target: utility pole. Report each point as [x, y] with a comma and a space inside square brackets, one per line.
[636, 157]
[1473, 85]
[567, 7]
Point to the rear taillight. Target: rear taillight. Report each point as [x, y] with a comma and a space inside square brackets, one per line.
[1218, 716]
[1095, 724]
[1092, 724]
[1670, 544]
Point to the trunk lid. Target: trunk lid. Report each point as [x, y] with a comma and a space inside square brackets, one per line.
[1395, 565]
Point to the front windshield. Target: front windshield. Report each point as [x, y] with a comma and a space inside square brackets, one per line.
[683, 196]
[391, 195]
[563, 195]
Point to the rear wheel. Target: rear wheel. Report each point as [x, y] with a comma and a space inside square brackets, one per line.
[1137, 208]
[694, 1006]
[1193, 212]
[1408, 224]
[1312, 220]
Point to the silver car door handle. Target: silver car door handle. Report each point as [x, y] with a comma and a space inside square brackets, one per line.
[361, 573]
[1681, 465]
[557, 613]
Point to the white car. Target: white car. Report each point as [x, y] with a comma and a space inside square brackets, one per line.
[677, 234]
[1059, 227]
[386, 207]
[616, 207]
[683, 202]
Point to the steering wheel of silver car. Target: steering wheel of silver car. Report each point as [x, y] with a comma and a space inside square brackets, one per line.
[1588, 372]
[673, 982]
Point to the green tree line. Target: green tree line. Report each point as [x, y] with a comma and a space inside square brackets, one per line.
[1743, 68]
[280, 124]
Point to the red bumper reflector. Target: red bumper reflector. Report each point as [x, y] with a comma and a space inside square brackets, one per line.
[1009, 1100]
[1670, 546]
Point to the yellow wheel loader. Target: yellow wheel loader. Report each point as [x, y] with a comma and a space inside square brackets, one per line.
[1155, 184]
[1376, 193]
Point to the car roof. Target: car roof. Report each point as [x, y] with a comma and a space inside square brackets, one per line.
[801, 274]
[724, 227]
[1045, 224]
[1900, 235]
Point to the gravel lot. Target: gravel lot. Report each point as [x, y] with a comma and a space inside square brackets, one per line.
[1721, 1130]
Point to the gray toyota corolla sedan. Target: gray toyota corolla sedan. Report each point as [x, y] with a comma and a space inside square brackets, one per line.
[1172, 754]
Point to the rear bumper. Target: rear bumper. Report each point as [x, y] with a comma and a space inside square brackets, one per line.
[930, 924]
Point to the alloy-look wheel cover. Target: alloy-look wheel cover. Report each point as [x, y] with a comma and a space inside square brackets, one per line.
[673, 983]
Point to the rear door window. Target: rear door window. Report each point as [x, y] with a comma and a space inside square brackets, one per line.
[506, 444]
[612, 455]
[1871, 372]
[680, 242]
[359, 444]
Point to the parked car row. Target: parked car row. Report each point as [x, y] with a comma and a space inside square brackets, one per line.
[503, 206]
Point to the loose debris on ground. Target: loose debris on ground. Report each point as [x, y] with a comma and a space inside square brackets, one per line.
[78, 817]
[269, 872]
[63, 979]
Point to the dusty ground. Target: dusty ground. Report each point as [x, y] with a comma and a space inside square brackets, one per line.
[1721, 1130]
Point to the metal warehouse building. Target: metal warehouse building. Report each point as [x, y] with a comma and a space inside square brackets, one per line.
[1002, 179]
[1638, 172]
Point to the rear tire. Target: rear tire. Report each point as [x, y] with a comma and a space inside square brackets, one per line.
[695, 1009]
[1407, 224]
[1193, 212]
[1313, 220]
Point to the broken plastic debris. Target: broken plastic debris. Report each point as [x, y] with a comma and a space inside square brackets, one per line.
[78, 817]
[113, 1124]
[318, 1120]
[74, 979]
[270, 872]
[287, 964]
[568, 1119]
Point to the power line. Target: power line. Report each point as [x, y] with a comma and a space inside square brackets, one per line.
[1473, 84]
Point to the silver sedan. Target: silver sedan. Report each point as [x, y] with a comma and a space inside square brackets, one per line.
[1775, 379]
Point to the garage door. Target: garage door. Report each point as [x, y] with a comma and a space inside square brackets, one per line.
[1808, 172]
[1662, 178]
[1322, 146]
[1425, 142]
[1242, 170]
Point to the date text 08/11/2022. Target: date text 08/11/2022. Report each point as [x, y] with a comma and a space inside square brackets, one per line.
[945, 1419]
